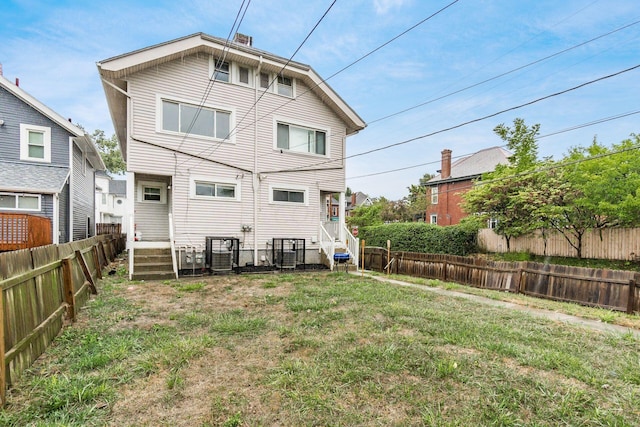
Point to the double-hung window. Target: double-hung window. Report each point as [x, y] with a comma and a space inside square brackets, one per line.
[285, 86]
[221, 70]
[35, 143]
[434, 195]
[301, 139]
[195, 120]
[23, 202]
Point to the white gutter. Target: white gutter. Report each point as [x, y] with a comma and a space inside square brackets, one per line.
[255, 176]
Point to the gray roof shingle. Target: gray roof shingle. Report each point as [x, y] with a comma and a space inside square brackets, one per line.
[26, 177]
[476, 164]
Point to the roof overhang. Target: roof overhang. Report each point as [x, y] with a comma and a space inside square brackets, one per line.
[115, 71]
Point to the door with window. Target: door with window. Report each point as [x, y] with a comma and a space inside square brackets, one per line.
[152, 209]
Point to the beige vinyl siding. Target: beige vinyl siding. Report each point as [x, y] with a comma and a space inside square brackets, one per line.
[195, 218]
[152, 219]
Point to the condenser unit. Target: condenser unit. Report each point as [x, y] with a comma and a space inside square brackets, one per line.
[222, 253]
[288, 252]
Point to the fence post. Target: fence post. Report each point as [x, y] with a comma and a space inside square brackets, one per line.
[444, 269]
[632, 296]
[362, 257]
[3, 364]
[69, 295]
[96, 261]
[388, 257]
[517, 279]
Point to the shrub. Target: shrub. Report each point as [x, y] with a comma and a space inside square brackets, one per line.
[423, 238]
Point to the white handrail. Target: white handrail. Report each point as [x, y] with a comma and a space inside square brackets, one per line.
[328, 245]
[353, 246]
[131, 238]
[173, 246]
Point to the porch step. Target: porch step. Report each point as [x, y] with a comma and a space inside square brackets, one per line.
[152, 264]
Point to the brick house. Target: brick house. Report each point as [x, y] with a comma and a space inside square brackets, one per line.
[444, 191]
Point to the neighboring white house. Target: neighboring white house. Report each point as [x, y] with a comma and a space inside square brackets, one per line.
[111, 199]
[222, 139]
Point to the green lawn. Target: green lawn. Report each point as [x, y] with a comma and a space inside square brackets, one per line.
[321, 349]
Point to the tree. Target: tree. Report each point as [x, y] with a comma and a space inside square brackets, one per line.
[417, 199]
[110, 152]
[511, 193]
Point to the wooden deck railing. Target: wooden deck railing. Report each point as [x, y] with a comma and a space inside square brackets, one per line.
[23, 231]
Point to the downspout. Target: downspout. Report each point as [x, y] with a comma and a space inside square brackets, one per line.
[255, 175]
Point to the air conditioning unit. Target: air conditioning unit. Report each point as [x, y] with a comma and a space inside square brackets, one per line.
[288, 252]
[222, 253]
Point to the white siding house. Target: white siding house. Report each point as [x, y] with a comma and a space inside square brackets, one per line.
[227, 140]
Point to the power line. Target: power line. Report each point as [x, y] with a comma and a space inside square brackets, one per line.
[323, 81]
[406, 141]
[580, 126]
[213, 148]
[501, 75]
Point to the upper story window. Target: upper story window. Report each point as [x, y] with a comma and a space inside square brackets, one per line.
[301, 139]
[264, 80]
[193, 119]
[221, 71]
[245, 76]
[35, 143]
[22, 202]
[285, 86]
[434, 195]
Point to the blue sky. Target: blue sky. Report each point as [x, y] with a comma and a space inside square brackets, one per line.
[52, 47]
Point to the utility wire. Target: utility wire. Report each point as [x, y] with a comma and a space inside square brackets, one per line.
[502, 75]
[213, 148]
[580, 126]
[427, 135]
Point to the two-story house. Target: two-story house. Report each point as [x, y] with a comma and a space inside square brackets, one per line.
[223, 139]
[111, 199]
[445, 190]
[47, 165]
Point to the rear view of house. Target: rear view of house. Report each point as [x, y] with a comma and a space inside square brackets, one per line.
[228, 148]
[47, 168]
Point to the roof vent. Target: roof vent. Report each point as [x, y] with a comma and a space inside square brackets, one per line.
[243, 39]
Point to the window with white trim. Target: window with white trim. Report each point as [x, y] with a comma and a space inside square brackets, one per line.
[288, 195]
[264, 80]
[35, 143]
[184, 118]
[221, 70]
[492, 223]
[215, 190]
[301, 139]
[285, 86]
[434, 196]
[152, 192]
[434, 219]
[20, 202]
[245, 76]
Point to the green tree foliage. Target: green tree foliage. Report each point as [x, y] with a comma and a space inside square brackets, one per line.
[109, 151]
[510, 193]
[363, 216]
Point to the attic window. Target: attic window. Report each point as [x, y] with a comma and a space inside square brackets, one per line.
[285, 86]
[244, 76]
[35, 143]
[264, 80]
[221, 71]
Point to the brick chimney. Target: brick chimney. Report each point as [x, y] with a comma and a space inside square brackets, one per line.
[445, 169]
[243, 39]
[353, 199]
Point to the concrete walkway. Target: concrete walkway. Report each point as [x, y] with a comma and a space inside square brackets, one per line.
[552, 315]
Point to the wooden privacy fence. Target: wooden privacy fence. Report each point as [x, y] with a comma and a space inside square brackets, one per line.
[22, 231]
[40, 287]
[610, 289]
[107, 228]
[608, 243]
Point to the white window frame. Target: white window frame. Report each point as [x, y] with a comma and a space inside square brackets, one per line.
[24, 142]
[287, 187]
[236, 73]
[214, 180]
[434, 195]
[277, 86]
[433, 219]
[306, 126]
[492, 223]
[223, 109]
[212, 69]
[152, 184]
[17, 196]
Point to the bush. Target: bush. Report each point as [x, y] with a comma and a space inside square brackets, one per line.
[423, 238]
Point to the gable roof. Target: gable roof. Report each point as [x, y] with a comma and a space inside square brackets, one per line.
[473, 166]
[81, 139]
[114, 71]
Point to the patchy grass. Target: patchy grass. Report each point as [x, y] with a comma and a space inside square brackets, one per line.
[321, 349]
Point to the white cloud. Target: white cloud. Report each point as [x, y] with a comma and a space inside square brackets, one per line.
[383, 6]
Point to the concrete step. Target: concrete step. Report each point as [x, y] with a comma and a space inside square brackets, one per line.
[153, 275]
[153, 266]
